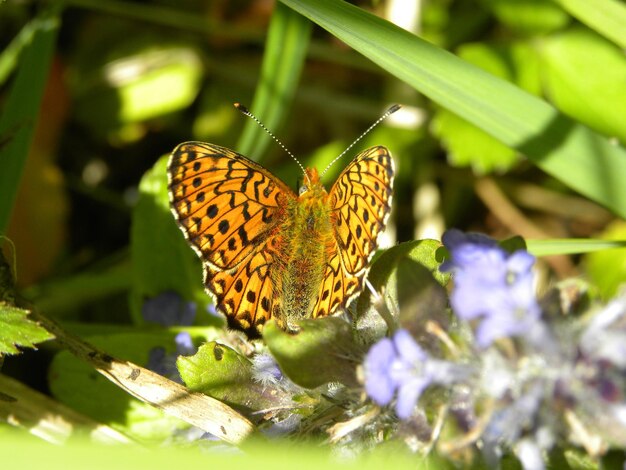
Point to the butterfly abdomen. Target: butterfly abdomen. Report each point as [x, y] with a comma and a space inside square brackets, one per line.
[308, 233]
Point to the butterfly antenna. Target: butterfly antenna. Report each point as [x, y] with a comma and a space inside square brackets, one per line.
[387, 113]
[247, 112]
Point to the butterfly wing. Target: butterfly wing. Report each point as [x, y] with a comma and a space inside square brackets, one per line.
[229, 208]
[360, 202]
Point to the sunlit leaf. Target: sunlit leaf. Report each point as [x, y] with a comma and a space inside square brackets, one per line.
[607, 17]
[596, 99]
[528, 16]
[324, 350]
[607, 268]
[223, 373]
[17, 331]
[408, 280]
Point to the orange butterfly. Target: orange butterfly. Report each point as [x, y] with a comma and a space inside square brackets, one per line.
[269, 253]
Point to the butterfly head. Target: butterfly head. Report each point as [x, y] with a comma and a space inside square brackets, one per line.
[311, 186]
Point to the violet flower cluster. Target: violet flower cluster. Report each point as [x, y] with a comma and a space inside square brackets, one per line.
[491, 285]
[554, 377]
[399, 365]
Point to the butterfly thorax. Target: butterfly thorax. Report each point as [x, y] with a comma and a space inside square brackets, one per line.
[306, 246]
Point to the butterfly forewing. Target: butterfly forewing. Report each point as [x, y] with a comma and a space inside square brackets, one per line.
[224, 202]
[360, 203]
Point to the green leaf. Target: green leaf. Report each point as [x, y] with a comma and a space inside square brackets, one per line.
[468, 145]
[607, 17]
[607, 268]
[596, 99]
[408, 278]
[61, 297]
[528, 16]
[224, 374]
[323, 351]
[16, 330]
[161, 257]
[171, 86]
[21, 108]
[131, 81]
[572, 153]
[511, 245]
[10, 55]
[285, 51]
[420, 298]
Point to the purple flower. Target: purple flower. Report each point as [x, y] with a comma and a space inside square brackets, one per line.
[491, 285]
[399, 365]
[168, 309]
[184, 344]
[164, 364]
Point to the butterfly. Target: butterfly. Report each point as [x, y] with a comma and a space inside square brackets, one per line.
[269, 253]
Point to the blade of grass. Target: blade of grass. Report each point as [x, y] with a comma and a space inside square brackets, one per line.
[11, 54]
[607, 17]
[570, 246]
[571, 152]
[19, 115]
[285, 51]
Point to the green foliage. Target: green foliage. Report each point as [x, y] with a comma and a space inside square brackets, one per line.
[225, 374]
[607, 17]
[17, 331]
[528, 16]
[571, 246]
[409, 279]
[468, 145]
[131, 77]
[556, 144]
[260, 455]
[607, 268]
[322, 351]
[594, 101]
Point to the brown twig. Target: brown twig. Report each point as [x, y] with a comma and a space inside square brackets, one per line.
[174, 399]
